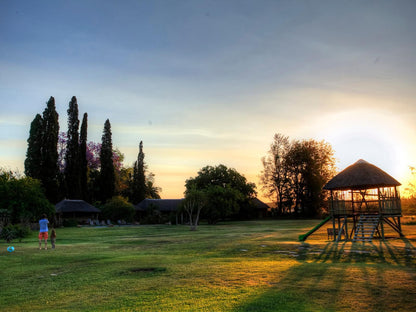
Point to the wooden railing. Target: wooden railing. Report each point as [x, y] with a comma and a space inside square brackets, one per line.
[391, 206]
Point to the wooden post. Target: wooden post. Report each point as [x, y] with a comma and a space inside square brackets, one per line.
[346, 227]
[382, 227]
[333, 215]
[400, 227]
[379, 202]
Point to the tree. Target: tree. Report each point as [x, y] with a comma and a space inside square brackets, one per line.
[107, 175]
[83, 158]
[49, 154]
[33, 159]
[93, 164]
[118, 208]
[226, 191]
[312, 164]
[23, 197]
[295, 173]
[139, 180]
[72, 156]
[193, 203]
[152, 191]
[275, 175]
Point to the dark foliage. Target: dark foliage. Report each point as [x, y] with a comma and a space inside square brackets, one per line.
[118, 208]
[83, 163]
[139, 180]
[33, 159]
[23, 198]
[107, 174]
[11, 232]
[295, 172]
[49, 169]
[72, 156]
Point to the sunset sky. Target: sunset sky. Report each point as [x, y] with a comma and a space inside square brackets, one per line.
[210, 82]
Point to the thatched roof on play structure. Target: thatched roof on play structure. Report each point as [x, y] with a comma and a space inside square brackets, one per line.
[361, 175]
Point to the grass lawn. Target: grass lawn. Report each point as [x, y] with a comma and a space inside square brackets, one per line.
[239, 266]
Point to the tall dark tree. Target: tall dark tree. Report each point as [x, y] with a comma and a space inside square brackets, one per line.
[33, 159]
[107, 175]
[72, 156]
[139, 179]
[83, 158]
[49, 153]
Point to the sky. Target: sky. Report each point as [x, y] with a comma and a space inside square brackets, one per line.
[210, 82]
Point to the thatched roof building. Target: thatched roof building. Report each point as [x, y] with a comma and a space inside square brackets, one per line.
[361, 175]
[75, 206]
[76, 209]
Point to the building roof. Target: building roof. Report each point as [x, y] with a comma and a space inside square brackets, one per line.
[361, 175]
[75, 205]
[165, 205]
[258, 204]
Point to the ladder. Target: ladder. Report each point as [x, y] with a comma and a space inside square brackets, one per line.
[366, 227]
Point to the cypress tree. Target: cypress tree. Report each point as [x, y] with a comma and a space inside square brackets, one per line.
[72, 159]
[107, 175]
[83, 157]
[33, 155]
[49, 151]
[139, 179]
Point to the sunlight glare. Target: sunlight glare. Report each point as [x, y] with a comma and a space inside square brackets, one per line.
[373, 135]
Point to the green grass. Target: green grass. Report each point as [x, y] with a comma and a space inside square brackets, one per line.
[241, 266]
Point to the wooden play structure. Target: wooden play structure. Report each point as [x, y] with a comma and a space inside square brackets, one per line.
[364, 198]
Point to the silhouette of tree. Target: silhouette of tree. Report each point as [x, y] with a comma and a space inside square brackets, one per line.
[49, 154]
[295, 173]
[275, 176]
[139, 180]
[33, 161]
[107, 175]
[83, 158]
[72, 156]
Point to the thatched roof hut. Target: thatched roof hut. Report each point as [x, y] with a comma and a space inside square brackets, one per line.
[75, 206]
[367, 195]
[361, 175]
[76, 209]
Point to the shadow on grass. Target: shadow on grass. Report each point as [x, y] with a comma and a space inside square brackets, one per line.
[345, 277]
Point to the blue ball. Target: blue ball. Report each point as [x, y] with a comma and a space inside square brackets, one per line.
[10, 249]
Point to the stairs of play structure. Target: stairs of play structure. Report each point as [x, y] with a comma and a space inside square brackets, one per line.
[366, 227]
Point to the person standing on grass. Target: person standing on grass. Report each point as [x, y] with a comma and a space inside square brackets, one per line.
[43, 231]
[53, 238]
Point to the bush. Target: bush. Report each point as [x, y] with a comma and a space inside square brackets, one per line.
[118, 208]
[70, 223]
[23, 198]
[11, 232]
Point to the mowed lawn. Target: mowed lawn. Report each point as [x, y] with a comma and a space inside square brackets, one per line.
[237, 266]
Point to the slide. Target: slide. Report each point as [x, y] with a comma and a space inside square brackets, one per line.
[303, 237]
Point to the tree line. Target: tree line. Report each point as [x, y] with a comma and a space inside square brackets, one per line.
[69, 166]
